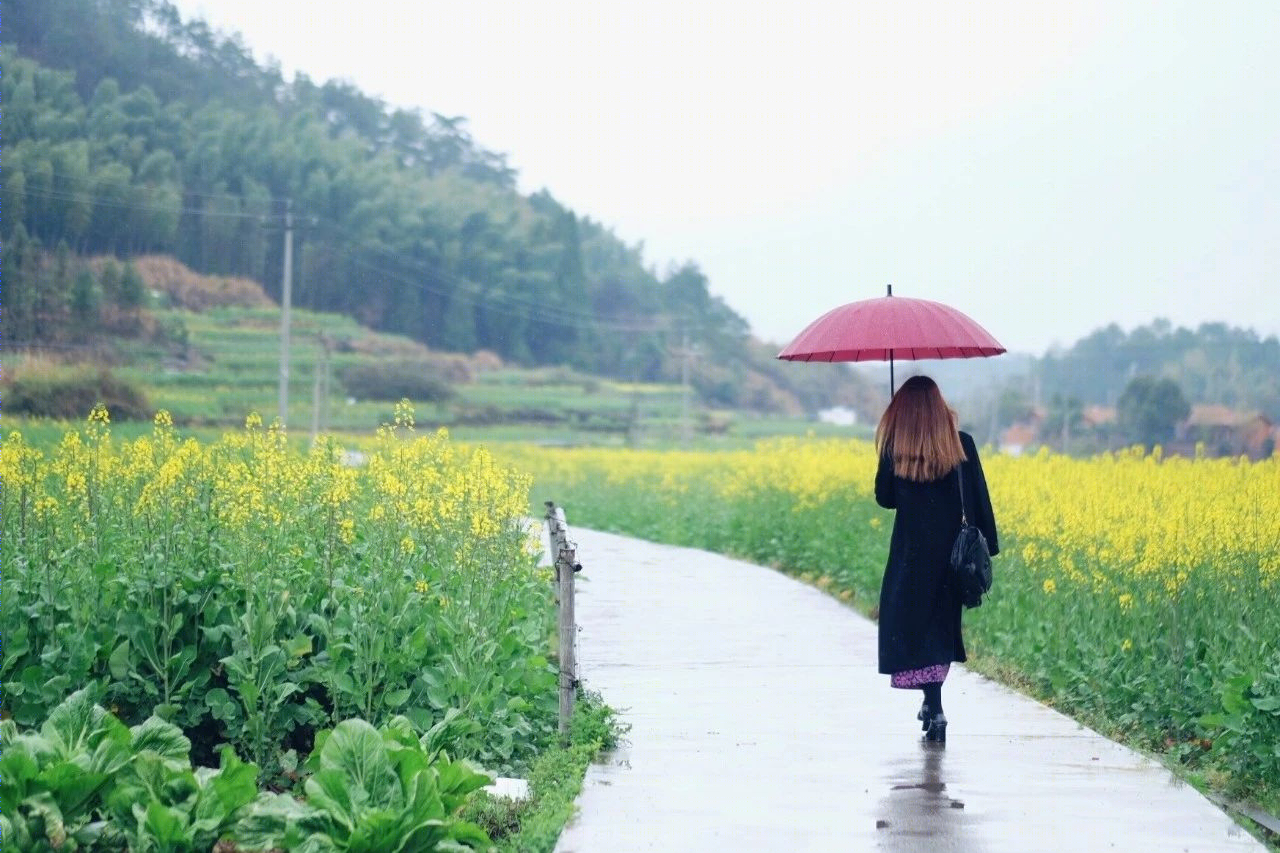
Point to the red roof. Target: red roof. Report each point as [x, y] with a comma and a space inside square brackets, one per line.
[1211, 415]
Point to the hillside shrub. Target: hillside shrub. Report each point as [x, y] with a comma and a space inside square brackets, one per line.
[396, 380]
[67, 393]
[186, 288]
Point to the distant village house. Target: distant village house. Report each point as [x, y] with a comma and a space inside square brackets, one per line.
[1220, 430]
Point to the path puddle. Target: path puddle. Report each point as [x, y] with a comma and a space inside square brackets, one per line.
[917, 810]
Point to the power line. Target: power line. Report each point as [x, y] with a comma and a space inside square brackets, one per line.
[445, 285]
[76, 179]
[107, 344]
[333, 228]
[27, 345]
[98, 201]
[533, 310]
[453, 281]
[514, 307]
[469, 288]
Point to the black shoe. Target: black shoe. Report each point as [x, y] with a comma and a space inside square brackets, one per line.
[924, 716]
[936, 731]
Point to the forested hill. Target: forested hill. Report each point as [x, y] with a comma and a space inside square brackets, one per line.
[1214, 363]
[128, 130]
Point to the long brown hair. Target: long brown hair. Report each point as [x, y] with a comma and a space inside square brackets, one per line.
[918, 432]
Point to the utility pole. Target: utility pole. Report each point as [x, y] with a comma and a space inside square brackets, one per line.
[993, 436]
[684, 391]
[328, 384]
[320, 390]
[315, 399]
[687, 354]
[286, 296]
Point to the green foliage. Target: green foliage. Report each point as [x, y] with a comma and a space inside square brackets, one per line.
[1213, 363]
[1248, 723]
[220, 641]
[260, 638]
[370, 791]
[85, 782]
[132, 291]
[396, 380]
[69, 393]
[86, 299]
[1013, 406]
[266, 640]
[112, 280]
[55, 297]
[1065, 415]
[1150, 408]
[534, 825]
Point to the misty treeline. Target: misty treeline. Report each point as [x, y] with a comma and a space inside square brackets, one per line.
[1214, 363]
[129, 130]
[1149, 377]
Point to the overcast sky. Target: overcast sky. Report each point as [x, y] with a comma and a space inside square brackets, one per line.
[1048, 167]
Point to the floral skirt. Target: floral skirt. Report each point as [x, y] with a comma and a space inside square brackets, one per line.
[915, 678]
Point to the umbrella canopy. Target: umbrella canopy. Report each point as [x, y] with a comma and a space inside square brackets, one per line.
[891, 327]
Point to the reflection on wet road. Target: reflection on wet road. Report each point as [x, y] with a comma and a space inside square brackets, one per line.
[918, 813]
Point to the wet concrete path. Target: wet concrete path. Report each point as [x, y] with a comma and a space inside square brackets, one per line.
[758, 723]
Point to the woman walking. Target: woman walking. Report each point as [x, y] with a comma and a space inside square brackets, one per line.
[921, 452]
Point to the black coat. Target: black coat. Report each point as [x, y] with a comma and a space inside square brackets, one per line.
[919, 611]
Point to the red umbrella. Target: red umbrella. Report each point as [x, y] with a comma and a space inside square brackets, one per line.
[891, 327]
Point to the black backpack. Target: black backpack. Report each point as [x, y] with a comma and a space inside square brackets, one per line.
[970, 557]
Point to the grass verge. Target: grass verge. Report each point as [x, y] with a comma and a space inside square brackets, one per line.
[534, 825]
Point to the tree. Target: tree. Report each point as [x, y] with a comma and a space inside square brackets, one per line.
[458, 325]
[1149, 409]
[53, 297]
[1065, 414]
[1012, 407]
[18, 259]
[132, 289]
[111, 281]
[84, 302]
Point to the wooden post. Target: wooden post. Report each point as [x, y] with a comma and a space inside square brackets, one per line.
[564, 557]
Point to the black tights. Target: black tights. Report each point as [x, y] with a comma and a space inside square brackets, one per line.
[933, 697]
